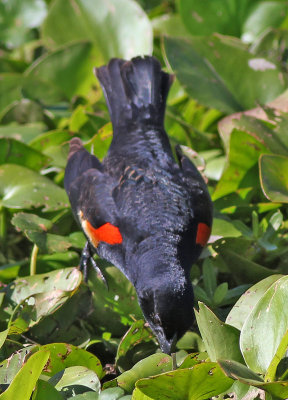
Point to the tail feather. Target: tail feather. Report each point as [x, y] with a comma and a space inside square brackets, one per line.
[135, 91]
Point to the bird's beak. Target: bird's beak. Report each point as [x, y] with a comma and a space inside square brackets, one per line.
[167, 345]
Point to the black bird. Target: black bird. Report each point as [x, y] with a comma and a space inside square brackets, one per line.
[139, 209]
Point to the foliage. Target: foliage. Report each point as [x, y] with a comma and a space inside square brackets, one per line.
[61, 338]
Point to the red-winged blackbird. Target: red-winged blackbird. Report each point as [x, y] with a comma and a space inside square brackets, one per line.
[139, 209]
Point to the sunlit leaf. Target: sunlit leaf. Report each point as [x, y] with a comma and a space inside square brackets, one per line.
[118, 28]
[21, 187]
[273, 177]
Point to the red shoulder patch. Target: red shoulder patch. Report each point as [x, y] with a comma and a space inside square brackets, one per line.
[107, 233]
[203, 234]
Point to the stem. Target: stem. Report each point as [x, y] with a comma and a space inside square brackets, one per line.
[33, 260]
[3, 225]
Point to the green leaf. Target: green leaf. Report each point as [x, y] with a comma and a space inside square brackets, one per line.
[221, 340]
[210, 69]
[265, 327]
[60, 75]
[200, 382]
[235, 370]
[21, 187]
[10, 85]
[152, 365]
[17, 18]
[75, 380]
[118, 28]
[111, 394]
[243, 269]
[66, 280]
[48, 242]
[220, 293]
[209, 277]
[244, 153]
[26, 377]
[64, 355]
[44, 390]
[53, 144]
[248, 301]
[273, 177]
[262, 16]
[25, 133]
[247, 19]
[137, 333]
[245, 375]
[11, 366]
[15, 152]
[24, 221]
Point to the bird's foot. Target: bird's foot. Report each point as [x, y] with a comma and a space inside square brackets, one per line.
[86, 258]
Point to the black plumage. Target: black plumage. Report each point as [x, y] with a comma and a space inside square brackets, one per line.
[139, 209]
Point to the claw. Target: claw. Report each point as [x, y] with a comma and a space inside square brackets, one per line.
[87, 257]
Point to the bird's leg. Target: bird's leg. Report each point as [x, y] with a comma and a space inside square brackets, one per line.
[174, 362]
[87, 257]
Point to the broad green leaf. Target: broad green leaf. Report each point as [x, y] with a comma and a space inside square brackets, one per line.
[22, 112]
[273, 177]
[117, 28]
[226, 228]
[26, 377]
[137, 333]
[24, 221]
[211, 69]
[17, 18]
[66, 280]
[169, 24]
[44, 391]
[25, 133]
[235, 370]
[270, 138]
[265, 327]
[221, 340]
[69, 323]
[255, 118]
[86, 396]
[48, 242]
[189, 341]
[53, 144]
[200, 382]
[11, 366]
[75, 380]
[243, 269]
[64, 355]
[111, 394]
[10, 85]
[242, 309]
[262, 16]
[21, 187]
[15, 152]
[3, 336]
[245, 375]
[60, 75]
[152, 365]
[246, 19]
[47, 293]
[243, 156]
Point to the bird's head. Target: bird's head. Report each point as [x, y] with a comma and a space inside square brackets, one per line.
[168, 308]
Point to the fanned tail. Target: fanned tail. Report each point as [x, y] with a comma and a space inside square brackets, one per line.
[135, 91]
